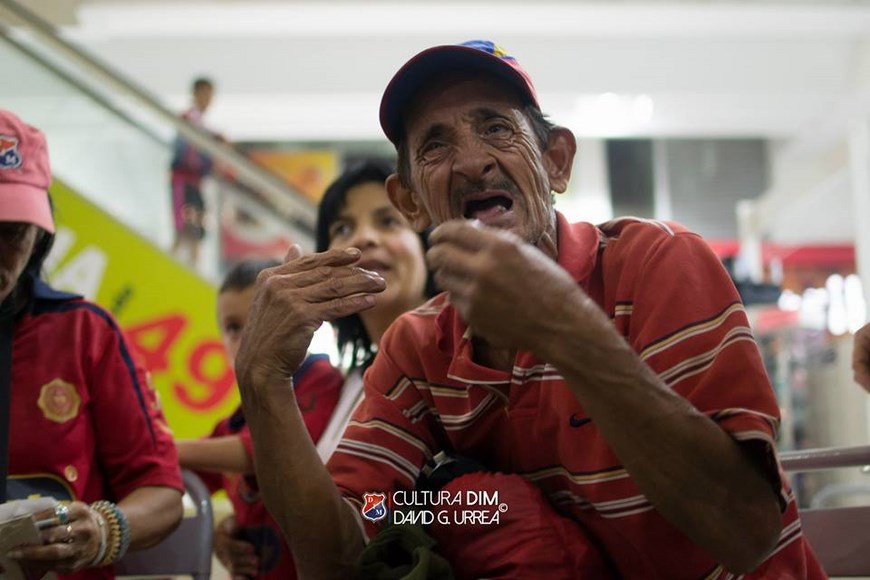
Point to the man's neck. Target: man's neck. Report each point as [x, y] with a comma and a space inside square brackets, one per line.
[549, 241]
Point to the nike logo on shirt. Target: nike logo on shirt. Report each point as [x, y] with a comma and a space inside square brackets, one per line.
[579, 421]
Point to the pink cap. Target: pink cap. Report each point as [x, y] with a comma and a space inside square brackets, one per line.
[24, 173]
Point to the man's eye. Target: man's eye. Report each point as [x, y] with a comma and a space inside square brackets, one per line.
[497, 129]
[431, 150]
[431, 146]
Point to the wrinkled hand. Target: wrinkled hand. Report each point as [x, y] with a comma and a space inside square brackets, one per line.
[237, 556]
[66, 547]
[291, 302]
[509, 292]
[861, 357]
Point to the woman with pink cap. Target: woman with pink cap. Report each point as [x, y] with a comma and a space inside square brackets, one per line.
[80, 420]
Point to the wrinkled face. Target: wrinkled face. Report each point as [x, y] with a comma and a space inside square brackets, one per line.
[389, 246]
[16, 245]
[232, 311]
[473, 154]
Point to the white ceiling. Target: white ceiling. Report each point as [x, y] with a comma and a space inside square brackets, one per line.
[305, 70]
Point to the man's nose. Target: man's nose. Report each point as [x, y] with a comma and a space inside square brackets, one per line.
[474, 160]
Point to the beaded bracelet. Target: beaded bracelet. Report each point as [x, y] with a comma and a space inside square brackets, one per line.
[119, 531]
[113, 531]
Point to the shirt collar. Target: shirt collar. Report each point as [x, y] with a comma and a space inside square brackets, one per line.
[42, 291]
[578, 247]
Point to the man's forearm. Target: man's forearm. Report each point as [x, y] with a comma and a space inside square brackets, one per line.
[318, 524]
[693, 472]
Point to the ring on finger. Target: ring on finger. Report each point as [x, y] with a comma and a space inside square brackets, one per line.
[69, 535]
[61, 512]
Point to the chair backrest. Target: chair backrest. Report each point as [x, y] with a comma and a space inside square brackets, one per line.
[840, 536]
[187, 550]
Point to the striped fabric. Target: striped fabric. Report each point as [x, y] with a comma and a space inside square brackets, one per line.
[672, 300]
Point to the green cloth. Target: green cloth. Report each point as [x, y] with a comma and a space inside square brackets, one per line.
[402, 552]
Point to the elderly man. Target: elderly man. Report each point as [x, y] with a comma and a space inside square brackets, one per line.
[613, 366]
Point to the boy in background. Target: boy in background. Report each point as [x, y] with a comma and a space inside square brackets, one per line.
[189, 167]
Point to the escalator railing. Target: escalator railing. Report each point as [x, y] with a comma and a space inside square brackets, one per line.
[112, 141]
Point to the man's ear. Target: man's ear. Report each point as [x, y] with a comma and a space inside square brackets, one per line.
[559, 158]
[408, 203]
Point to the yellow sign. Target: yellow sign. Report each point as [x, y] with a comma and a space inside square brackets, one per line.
[167, 311]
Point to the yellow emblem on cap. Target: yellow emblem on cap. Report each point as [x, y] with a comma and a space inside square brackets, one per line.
[59, 401]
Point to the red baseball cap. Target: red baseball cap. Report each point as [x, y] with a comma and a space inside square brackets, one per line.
[24, 173]
[481, 55]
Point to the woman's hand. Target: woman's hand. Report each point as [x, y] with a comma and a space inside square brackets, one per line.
[67, 547]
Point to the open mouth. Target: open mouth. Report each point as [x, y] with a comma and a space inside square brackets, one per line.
[487, 207]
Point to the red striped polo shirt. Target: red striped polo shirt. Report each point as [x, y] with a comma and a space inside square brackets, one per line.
[673, 302]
